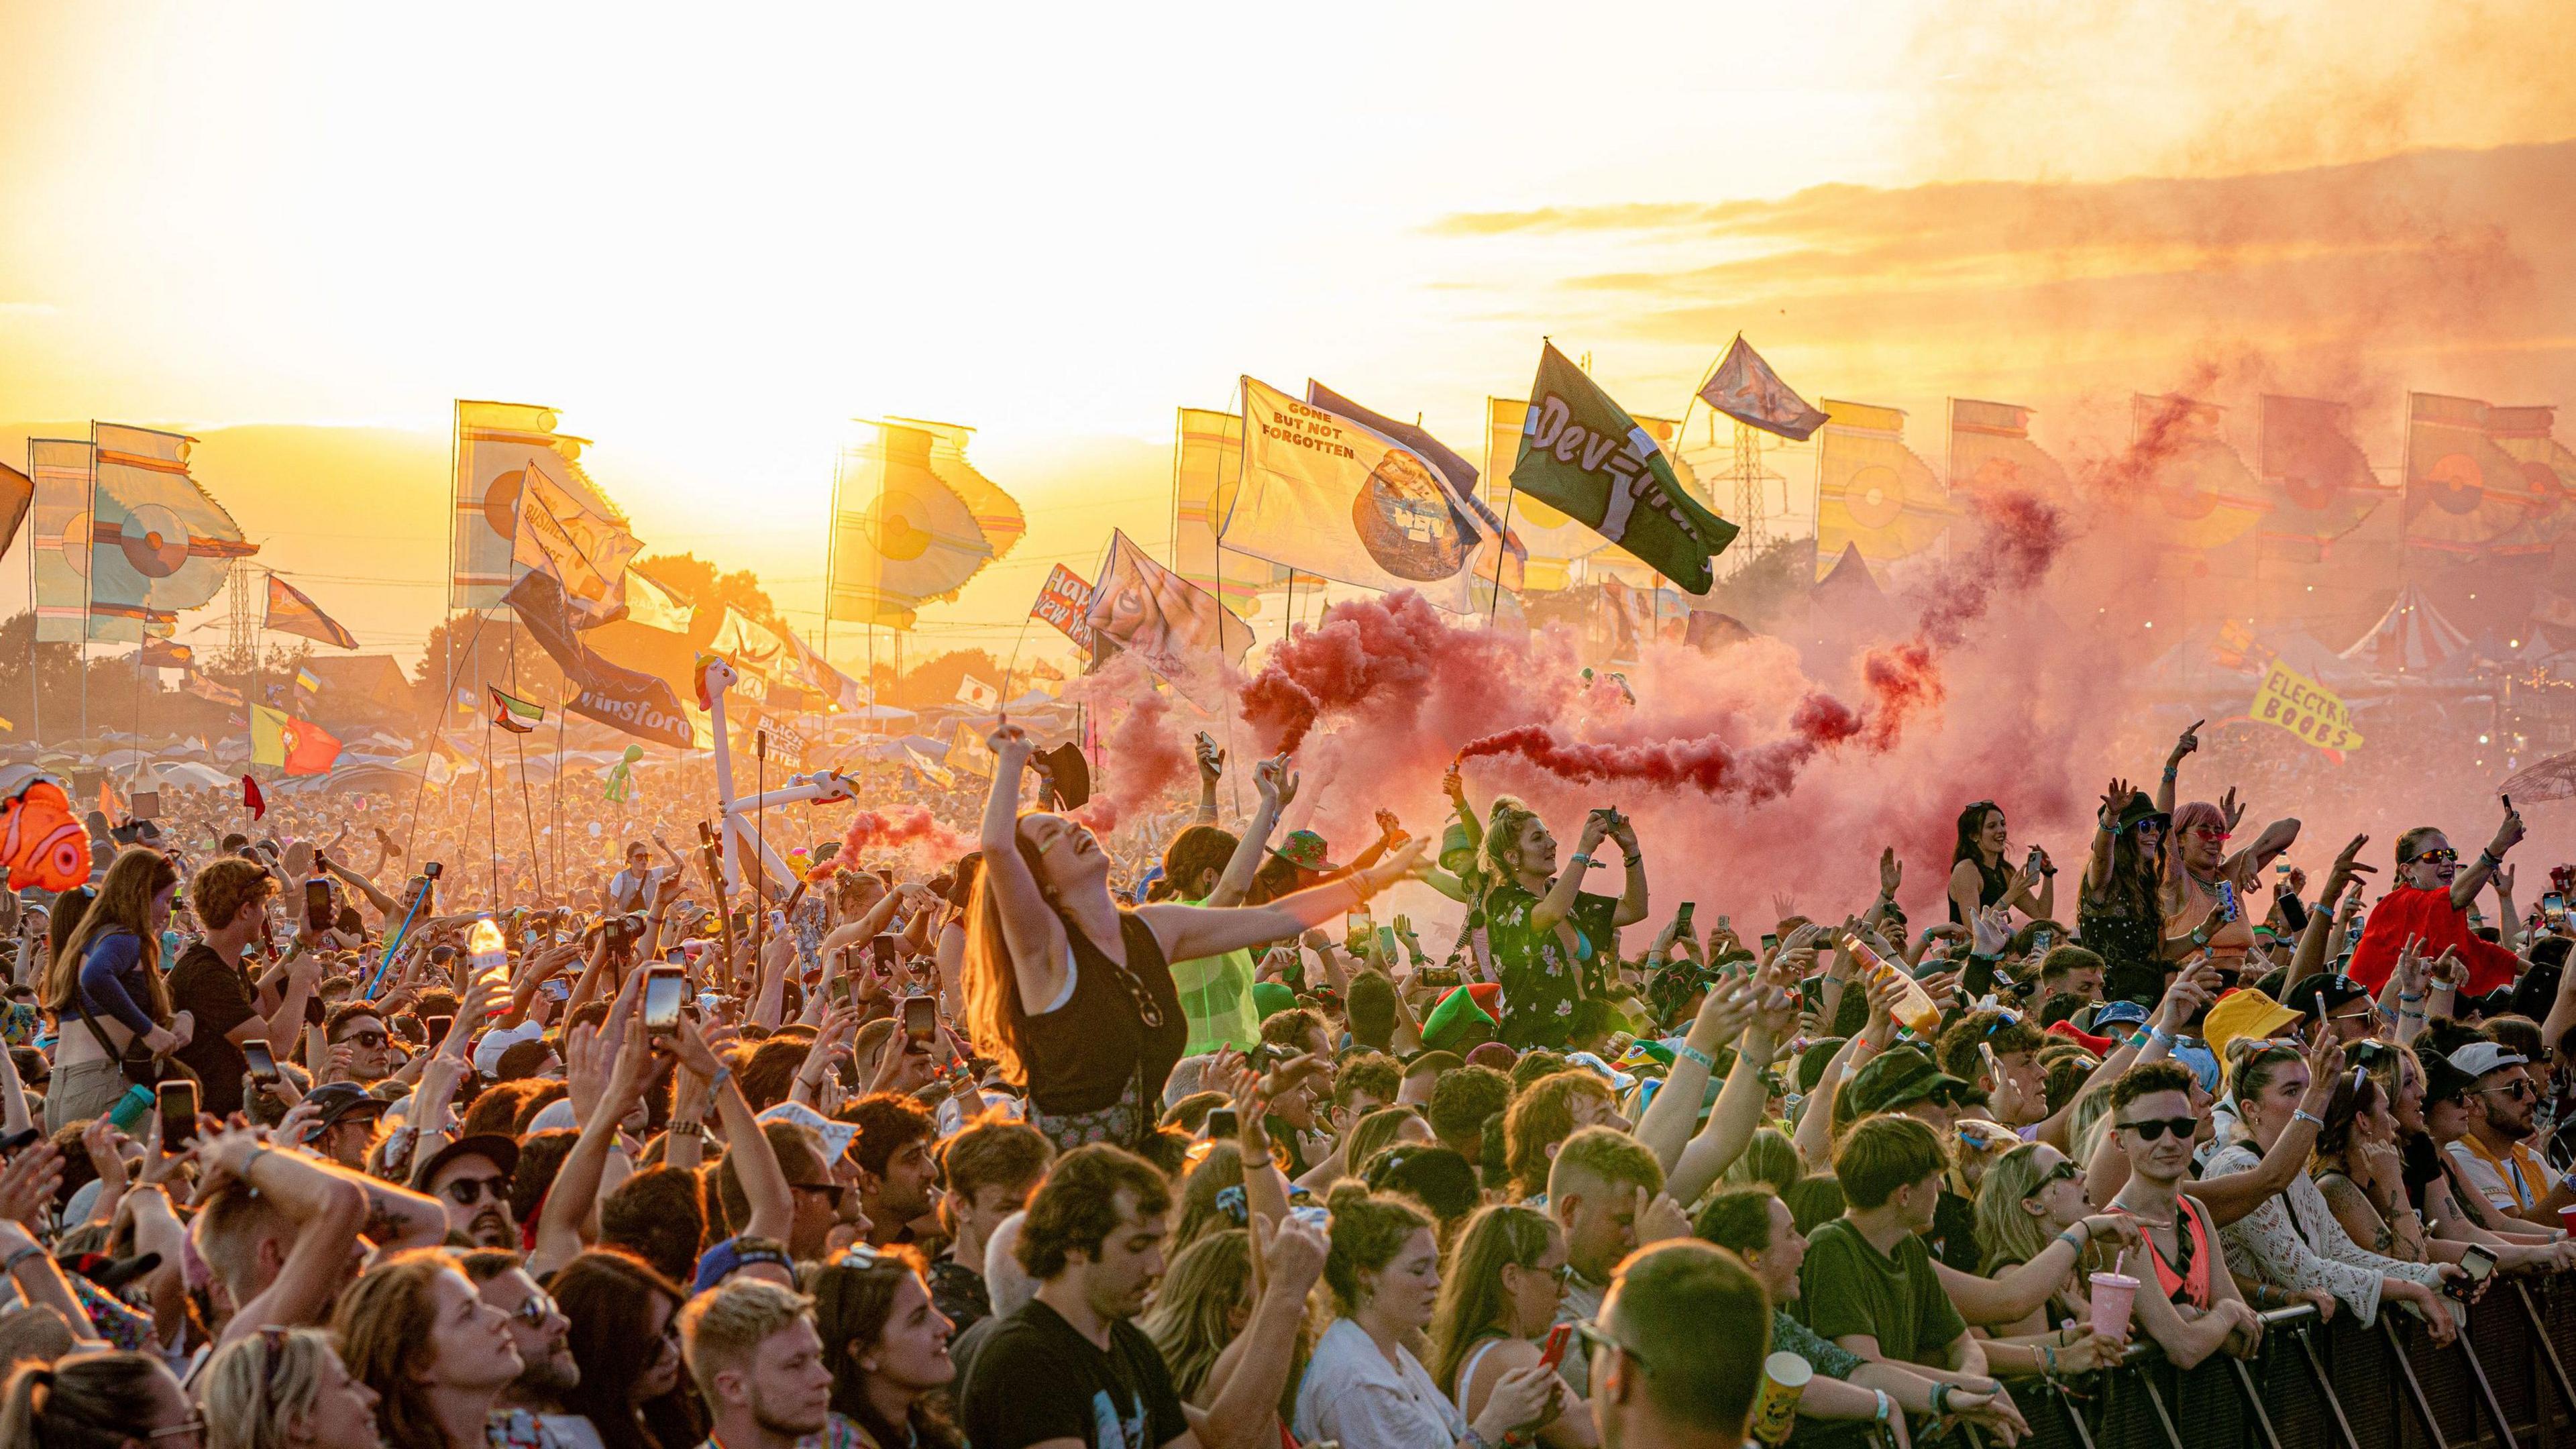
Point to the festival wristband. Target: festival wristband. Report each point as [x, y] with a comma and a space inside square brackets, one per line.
[1695, 1054]
[2304, 1115]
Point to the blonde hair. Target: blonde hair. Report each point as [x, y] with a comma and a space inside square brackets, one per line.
[262, 1383]
[1192, 1318]
[722, 1328]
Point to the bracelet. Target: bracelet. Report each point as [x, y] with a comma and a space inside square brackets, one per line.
[686, 1129]
[2490, 859]
[1474, 1440]
[2304, 1115]
[2137, 1039]
[2171, 771]
[2049, 1357]
[1941, 1397]
[1886, 1405]
[2075, 1239]
[1579, 858]
[9, 1266]
[1633, 860]
[1695, 1054]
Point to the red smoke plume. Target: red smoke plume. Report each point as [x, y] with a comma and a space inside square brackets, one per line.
[1141, 754]
[897, 827]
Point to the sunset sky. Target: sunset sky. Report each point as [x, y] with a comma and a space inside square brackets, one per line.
[710, 236]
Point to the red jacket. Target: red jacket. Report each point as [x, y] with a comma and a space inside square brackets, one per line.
[2430, 917]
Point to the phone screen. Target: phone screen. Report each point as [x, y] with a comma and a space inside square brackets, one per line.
[1222, 1123]
[840, 992]
[665, 988]
[263, 1066]
[882, 948]
[920, 1020]
[1682, 918]
[318, 905]
[2553, 905]
[1770, 942]
[438, 1026]
[178, 1115]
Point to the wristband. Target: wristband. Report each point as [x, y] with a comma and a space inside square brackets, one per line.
[2075, 1238]
[2172, 771]
[1886, 1406]
[1633, 860]
[2304, 1115]
[2158, 1033]
[1580, 858]
[1941, 1398]
[687, 1129]
[1695, 1054]
[2405, 996]
[2138, 1039]
[9, 1266]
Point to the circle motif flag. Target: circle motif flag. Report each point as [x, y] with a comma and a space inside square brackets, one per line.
[1404, 521]
[890, 526]
[501, 502]
[76, 541]
[2455, 484]
[155, 541]
[1873, 497]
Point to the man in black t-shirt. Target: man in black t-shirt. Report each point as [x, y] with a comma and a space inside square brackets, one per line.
[1071, 1369]
[230, 896]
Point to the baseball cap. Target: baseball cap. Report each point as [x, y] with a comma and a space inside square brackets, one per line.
[836, 1136]
[2338, 990]
[1899, 1076]
[2444, 1082]
[339, 1101]
[500, 1151]
[1305, 850]
[2243, 1012]
[2118, 1013]
[2481, 1057]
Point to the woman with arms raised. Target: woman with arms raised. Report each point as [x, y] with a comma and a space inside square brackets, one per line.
[1073, 995]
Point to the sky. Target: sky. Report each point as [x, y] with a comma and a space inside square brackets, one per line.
[710, 238]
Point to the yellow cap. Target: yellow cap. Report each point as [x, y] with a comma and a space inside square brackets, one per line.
[2244, 1012]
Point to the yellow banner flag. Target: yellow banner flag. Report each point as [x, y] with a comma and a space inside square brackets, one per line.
[2305, 708]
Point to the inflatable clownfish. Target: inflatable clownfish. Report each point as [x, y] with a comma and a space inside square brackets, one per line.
[43, 842]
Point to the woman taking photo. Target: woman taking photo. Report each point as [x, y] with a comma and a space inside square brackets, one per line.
[626, 1338]
[99, 1401]
[1979, 878]
[2121, 913]
[1364, 1386]
[887, 1347]
[1500, 1299]
[1074, 996]
[1550, 938]
[107, 989]
[285, 1388]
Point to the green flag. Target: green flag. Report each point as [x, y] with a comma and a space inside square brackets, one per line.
[1584, 456]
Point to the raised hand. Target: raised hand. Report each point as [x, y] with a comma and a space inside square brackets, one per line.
[1276, 783]
[2508, 835]
[1992, 926]
[1659, 1219]
[2186, 743]
[2231, 808]
[1891, 872]
[27, 1184]
[1211, 759]
[2113, 799]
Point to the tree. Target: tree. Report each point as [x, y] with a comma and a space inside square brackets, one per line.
[935, 683]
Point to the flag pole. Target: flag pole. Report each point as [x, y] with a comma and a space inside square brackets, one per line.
[491, 812]
[35, 636]
[560, 711]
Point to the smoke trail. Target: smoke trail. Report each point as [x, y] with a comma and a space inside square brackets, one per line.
[896, 827]
[1143, 755]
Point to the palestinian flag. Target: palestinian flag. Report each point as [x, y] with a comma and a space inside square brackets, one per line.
[513, 714]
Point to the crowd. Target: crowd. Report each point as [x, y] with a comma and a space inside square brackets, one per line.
[1053, 1146]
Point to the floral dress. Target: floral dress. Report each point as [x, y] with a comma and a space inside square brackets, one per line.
[1542, 976]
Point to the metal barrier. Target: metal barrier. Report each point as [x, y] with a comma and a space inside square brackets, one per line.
[2337, 1385]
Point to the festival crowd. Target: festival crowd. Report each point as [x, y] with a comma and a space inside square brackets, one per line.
[1043, 1146]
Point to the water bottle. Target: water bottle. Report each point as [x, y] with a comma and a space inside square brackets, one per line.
[131, 1110]
[1915, 1010]
[485, 949]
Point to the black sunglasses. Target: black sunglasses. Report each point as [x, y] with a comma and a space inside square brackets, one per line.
[2155, 1127]
[832, 1190]
[369, 1039]
[464, 1190]
[2064, 1171]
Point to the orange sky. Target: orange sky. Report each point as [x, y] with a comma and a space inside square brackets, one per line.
[710, 245]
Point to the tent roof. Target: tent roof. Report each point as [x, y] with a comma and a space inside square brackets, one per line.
[2411, 637]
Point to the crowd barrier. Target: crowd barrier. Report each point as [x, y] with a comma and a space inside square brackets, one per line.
[2336, 1385]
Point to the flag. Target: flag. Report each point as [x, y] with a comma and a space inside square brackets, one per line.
[17, 492]
[841, 694]
[514, 714]
[1175, 625]
[59, 537]
[307, 680]
[300, 747]
[976, 694]
[929, 768]
[252, 800]
[158, 543]
[2205, 496]
[643, 705]
[2292, 701]
[585, 549]
[1326, 494]
[655, 607]
[1746, 389]
[1872, 492]
[1582, 455]
[763, 659]
[968, 752]
[162, 654]
[2464, 494]
[1445, 461]
[290, 611]
[496, 444]
[1636, 617]
[1207, 466]
[107, 805]
[207, 689]
[1990, 449]
[1064, 600]
[2315, 477]
[2548, 469]
[912, 521]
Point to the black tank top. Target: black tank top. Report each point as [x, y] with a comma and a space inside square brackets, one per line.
[1082, 1056]
[1993, 883]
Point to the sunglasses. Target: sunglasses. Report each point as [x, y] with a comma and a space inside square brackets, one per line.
[831, 1190]
[2208, 832]
[2444, 856]
[369, 1039]
[464, 1190]
[2065, 1171]
[534, 1310]
[2516, 1090]
[2156, 1127]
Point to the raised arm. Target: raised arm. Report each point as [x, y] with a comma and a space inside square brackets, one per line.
[1190, 932]
[1277, 785]
[1030, 929]
[328, 1211]
[764, 1182]
[1558, 903]
[1211, 769]
[576, 1187]
[2184, 744]
[1738, 1113]
[2473, 874]
[1632, 892]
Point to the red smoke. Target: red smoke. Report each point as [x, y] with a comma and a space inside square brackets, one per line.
[1141, 754]
[1379, 659]
[897, 827]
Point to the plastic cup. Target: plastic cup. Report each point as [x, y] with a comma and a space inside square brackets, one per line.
[1784, 1380]
[2113, 1295]
[2567, 1220]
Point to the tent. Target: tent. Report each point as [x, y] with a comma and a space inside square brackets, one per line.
[2412, 637]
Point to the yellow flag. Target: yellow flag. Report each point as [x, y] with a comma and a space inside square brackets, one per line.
[2294, 702]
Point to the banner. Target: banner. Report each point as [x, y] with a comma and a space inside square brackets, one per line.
[2465, 496]
[60, 471]
[2315, 478]
[1746, 389]
[163, 654]
[912, 521]
[928, 767]
[1872, 492]
[976, 694]
[968, 753]
[158, 542]
[651, 605]
[2292, 701]
[1445, 461]
[807, 666]
[1581, 454]
[586, 550]
[2205, 496]
[1325, 494]
[1063, 600]
[1546, 544]
[513, 713]
[207, 689]
[290, 611]
[640, 704]
[299, 747]
[1179, 628]
[17, 491]
[496, 443]
[1990, 448]
[1207, 463]
[763, 659]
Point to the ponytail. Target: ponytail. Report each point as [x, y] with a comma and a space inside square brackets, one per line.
[96, 1401]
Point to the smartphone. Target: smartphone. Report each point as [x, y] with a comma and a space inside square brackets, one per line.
[665, 987]
[741, 922]
[438, 1026]
[1440, 978]
[2553, 906]
[1386, 945]
[2476, 1262]
[263, 1064]
[882, 949]
[920, 1020]
[1682, 919]
[840, 991]
[1770, 942]
[1554, 1353]
[2227, 900]
[557, 989]
[178, 1115]
[1223, 1124]
[319, 907]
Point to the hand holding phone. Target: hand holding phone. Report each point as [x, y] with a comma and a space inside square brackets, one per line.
[1554, 1352]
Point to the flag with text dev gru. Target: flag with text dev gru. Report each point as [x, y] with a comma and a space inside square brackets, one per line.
[1581, 454]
